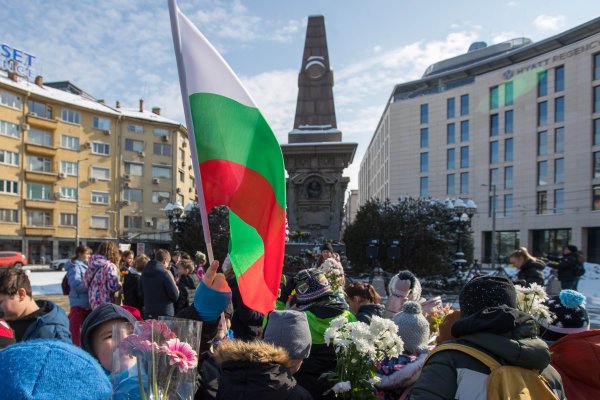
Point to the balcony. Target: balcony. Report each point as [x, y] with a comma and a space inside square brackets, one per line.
[39, 176]
[40, 122]
[40, 204]
[40, 230]
[38, 149]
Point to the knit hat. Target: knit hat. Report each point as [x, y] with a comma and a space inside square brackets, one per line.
[570, 315]
[486, 291]
[200, 257]
[413, 327]
[572, 248]
[7, 336]
[101, 314]
[51, 369]
[289, 329]
[405, 284]
[311, 285]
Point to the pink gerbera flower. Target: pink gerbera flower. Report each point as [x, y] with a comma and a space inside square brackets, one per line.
[156, 331]
[180, 354]
[135, 344]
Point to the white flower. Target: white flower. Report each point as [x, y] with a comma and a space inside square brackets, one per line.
[374, 380]
[342, 387]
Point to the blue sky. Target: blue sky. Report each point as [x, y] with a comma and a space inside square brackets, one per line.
[122, 50]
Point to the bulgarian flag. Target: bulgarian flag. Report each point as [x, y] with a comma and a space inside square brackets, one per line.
[237, 160]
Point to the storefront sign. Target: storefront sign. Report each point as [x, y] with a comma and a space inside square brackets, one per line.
[15, 60]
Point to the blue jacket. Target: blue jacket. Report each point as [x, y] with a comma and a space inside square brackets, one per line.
[78, 294]
[53, 324]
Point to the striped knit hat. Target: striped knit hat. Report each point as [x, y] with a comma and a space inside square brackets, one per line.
[311, 285]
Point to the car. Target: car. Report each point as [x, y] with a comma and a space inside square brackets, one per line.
[12, 259]
[59, 265]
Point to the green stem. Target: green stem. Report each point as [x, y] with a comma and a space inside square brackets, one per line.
[140, 381]
[169, 376]
[154, 368]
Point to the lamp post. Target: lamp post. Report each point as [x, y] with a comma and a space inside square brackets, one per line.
[493, 226]
[77, 205]
[175, 214]
[464, 211]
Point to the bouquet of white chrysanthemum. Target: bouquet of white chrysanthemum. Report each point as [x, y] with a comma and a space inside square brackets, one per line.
[531, 300]
[358, 347]
[334, 272]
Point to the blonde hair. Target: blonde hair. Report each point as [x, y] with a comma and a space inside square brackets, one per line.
[140, 262]
[522, 252]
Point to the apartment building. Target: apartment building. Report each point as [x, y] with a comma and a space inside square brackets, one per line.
[514, 127]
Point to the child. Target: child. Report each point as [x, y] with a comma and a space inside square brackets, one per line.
[30, 319]
[364, 301]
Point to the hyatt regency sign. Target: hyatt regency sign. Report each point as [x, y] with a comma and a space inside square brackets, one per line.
[15, 60]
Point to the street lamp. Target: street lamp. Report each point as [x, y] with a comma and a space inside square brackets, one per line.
[176, 215]
[464, 211]
[77, 204]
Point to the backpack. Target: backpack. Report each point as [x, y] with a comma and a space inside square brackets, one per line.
[579, 268]
[65, 286]
[506, 382]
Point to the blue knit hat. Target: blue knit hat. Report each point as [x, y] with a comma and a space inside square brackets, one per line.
[51, 369]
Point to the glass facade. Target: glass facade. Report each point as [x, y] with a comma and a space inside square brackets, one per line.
[542, 113]
[450, 108]
[464, 131]
[508, 150]
[464, 157]
[508, 93]
[450, 184]
[542, 86]
[464, 105]
[542, 143]
[424, 186]
[450, 159]
[494, 97]
[559, 140]
[424, 138]
[508, 121]
[424, 113]
[559, 109]
[424, 162]
[559, 79]
[464, 184]
[494, 121]
[493, 152]
[508, 177]
[450, 133]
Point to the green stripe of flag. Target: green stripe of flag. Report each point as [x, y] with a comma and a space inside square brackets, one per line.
[246, 245]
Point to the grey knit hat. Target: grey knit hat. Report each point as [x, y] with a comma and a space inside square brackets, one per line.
[413, 327]
[289, 329]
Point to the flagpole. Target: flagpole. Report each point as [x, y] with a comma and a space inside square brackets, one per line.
[190, 127]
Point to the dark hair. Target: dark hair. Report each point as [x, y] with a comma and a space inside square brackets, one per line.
[110, 250]
[140, 262]
[187, 265]
[162, 255]
[185, 256]
[364, 291]
[13, 279]
[127, 253]
[81, 249]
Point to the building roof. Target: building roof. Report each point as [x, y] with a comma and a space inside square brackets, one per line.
[146, 115]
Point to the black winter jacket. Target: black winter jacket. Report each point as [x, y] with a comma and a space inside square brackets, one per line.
[158, 290]
[367, 311]
[244, 318]
[566, 267]
[131, 290]
[532, 272]
[187, 285]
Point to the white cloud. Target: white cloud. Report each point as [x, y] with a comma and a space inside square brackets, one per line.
[549, 22]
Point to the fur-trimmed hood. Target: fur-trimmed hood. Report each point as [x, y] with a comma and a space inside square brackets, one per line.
[255, 352]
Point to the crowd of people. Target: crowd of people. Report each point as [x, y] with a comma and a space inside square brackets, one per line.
[244, 354]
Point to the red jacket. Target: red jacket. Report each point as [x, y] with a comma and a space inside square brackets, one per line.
[577, 358]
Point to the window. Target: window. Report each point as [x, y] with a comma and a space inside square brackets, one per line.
[596, 168]
[508, 150]
[597, 99]
[559, 201]
[10, 99]
[133, 195]
[131, 221]
[464, 105]
[542, 86]
[180, 199]
[542, 202]
[69, 168]
[42, 110]
[596, 140]
[542, 113]
[493, 152]
[559, 79]
[508, 177]
[464, 157]
[493, 177]
[69, 142]
[559, 140]
[39, 218]
[424, 138]
[161, 172]
[508, 93]
[508, 205]
[101, 123]
[71, 116]
[542, 173]
[464, 182]
[450, 156]
[67, 219]
[464, 131]
[9, 187]
[135, 128]
[450, 134]
[99, 222]
[596, 67]
[134, 169]
[424, 186]
[9, 158]
[596, 198]
[494, 121]
[181, 176]
[424, 113]
[542, 143]
[508, 121]
[134, 145]
[101, 148]
[99, 197]
[559, 170]
[494, 97]
[8, 215]
[161, 197]
[161, 224]
[9, 129]
[450, 108]
[162, 149]
[192, 182]
[39, 137]
[68, 193]
[100, 173]
[424, 162]
[559, 109]
[38, 191]
[450, 184]
[161, 132]
[39, 164]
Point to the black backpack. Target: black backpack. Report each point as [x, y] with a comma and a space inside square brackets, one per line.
[66, 289]
[579, 268]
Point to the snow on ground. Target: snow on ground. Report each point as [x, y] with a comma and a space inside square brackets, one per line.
[46, 282]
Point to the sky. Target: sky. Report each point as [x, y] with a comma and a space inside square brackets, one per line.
[123, 50]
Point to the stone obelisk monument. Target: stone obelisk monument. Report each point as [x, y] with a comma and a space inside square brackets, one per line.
[315, 156]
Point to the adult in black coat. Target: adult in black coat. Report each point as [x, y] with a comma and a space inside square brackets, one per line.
[131, 283]
[187, 282]
[245, 322]
[531, 270]
[567, 267]
[158, 287]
